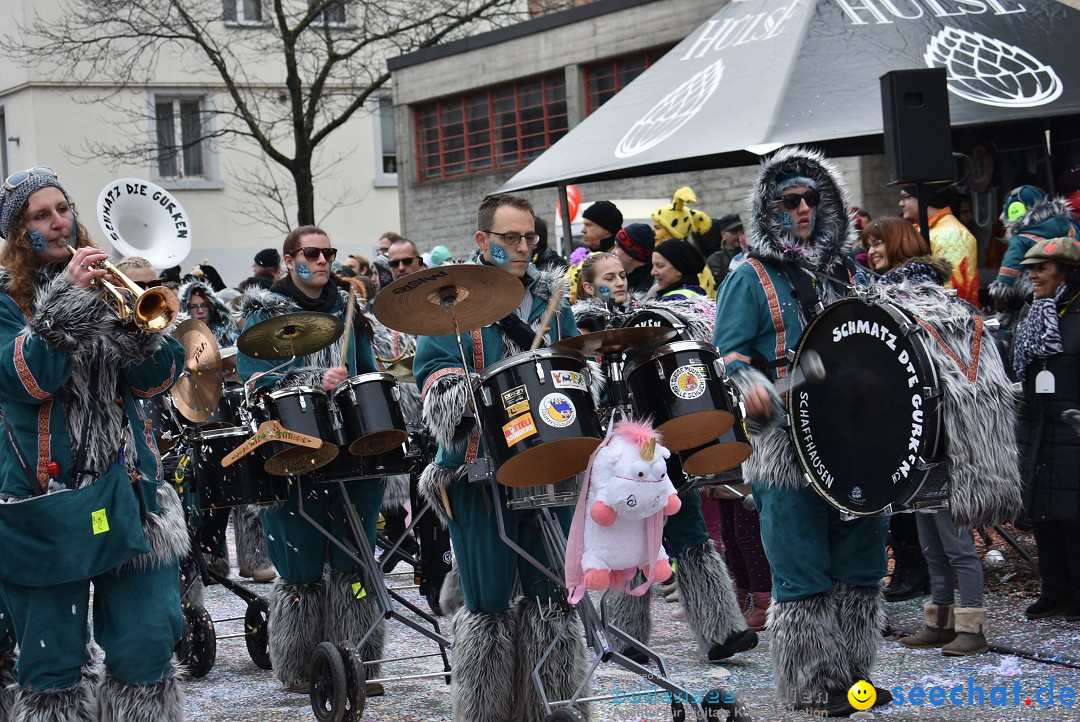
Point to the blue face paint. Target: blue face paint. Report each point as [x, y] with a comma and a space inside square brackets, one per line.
[785, 220]
[604, 292]
[499, 256]
[303, 271]
[37, 241]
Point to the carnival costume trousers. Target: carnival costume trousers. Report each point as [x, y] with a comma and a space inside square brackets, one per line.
[137, 622]
[827, 612]
[308, 603]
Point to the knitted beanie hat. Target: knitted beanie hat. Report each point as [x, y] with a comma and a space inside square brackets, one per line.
[636, 241]
[687, 259]
[13, 200]
[604, 214]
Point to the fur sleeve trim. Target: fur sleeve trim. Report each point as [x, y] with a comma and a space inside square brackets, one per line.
[432, 481]
[69, 317]
[773, 461]
[166, 532]
[302, 376]
[446, 400]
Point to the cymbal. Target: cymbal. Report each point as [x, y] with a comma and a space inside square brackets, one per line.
[228, 363]
[479, 295]
[293, 334]
[614, 340]
[402, 368]
[197, 392]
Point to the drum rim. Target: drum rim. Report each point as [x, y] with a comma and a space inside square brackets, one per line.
[651, 353]
[533, 355]
[362, 379]
[933, 445]
[295, 391]
[197, 435]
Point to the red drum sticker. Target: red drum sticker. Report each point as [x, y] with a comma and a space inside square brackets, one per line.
[557, 410]
[688, 382]
[519, 429]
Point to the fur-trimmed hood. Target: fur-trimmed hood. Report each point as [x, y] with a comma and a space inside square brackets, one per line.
[698, 314]
[921, 269]
[1050, 219]
[220, 321]
[834, 231]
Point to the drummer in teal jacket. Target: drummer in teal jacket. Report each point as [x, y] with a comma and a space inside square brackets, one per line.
[496, 645]
[306, 606]
[66, 356]
[826, 616]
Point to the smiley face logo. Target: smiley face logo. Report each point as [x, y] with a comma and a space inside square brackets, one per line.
[862, 695]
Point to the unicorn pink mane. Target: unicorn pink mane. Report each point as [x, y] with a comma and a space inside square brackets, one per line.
[639, 433]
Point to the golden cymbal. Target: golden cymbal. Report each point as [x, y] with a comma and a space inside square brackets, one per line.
[197, 392]
[293, 334]
[418, 303]
[402, 368]
[614, 340]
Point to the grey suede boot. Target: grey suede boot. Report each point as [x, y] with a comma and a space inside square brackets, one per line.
[937, 628]
[482, 685]
[295, 628]
[712, 607]
[632, 615]
[970, 633]
[159, 702]
[349, 617]
[562, 672]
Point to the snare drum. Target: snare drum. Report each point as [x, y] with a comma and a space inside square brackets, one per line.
[869, 434]
[305, 410]
[561, 493]
[681, 386]
[369, 406]
[219, 487]
[540, 422]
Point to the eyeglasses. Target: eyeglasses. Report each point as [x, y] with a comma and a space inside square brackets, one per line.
[403, 261]
[198, 307]
[312, 254]
[790, 201]
[512, 239]
[17, 178]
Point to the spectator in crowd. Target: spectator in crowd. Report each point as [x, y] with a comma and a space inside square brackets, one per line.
[676, 265]
[440, 255]
[544, 257]
[677, 221]
[732, 249]
[634, 249]
[403, 258]
[267, 264]
[601, 221]
[949, 238]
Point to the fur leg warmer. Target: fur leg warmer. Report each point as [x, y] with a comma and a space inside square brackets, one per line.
[159, 702]
[8, 687]
[349, 618]
[632, 615]
[860, 612]
[809, 648]
[708, 596]
[451, 597]
[250, 541]
[295, 628]
[537, 626]
[74, 704]
[482, 686]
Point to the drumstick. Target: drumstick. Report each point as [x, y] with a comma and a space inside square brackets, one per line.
[348, 326]
[810, 370]
[553, 304]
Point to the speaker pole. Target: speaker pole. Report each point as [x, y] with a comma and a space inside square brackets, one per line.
[924, 217]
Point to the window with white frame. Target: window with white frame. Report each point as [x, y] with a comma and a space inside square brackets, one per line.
[243, 11]
[385, 140]
[333, 13]
[180, 137]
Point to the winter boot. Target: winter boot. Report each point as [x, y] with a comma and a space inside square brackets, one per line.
[860, 613]
[712, 609]
[251, 557]
[758, 611]
[295, 628]
[538, 626]
[632, 615]
[482, 686]
[910, 576]
[970, 633]
[1046, 606]
[937, 628]
[159, 702]
[350, 613]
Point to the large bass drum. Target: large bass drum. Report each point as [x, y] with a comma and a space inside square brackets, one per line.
[869, 436]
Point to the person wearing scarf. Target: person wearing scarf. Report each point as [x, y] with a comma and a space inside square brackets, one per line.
[1046, 358]
[308, 606]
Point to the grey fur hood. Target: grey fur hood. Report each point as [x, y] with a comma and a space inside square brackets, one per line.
[1049, 219]
[221, 320]
[834, 232]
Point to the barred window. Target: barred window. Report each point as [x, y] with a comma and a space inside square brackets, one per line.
[179, 137]
[604, 79]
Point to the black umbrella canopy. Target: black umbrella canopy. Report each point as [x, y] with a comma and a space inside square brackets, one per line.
[761, 74]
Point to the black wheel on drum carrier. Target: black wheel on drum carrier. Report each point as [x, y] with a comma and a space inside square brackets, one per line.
[255, 635]
[564, 714]
[202, 648]
[328, 685]
[355, 683]
[678, 712]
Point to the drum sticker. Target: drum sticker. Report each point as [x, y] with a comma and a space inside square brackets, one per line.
[519, 429]
[557, 410]
[568, 380]
[516, 401]
[688, 382]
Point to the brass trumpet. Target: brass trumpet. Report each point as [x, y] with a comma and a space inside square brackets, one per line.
[151, 309]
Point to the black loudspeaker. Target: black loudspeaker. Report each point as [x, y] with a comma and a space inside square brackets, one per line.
[915, 114]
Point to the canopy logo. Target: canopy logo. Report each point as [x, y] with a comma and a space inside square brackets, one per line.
[672, 112]
[992, 72]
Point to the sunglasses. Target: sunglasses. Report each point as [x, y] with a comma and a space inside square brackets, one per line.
[403, 261]
[17, 178]
[312, 254]
[790, 201]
